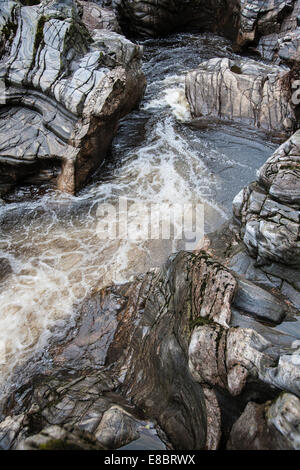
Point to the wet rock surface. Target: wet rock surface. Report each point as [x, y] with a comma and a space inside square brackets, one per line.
[157, 359]
[242, 91]
[203, 353]
[146, 359]
[154, 18]
[259, 302]
[67, 84]
[268, 210]
[272, 27]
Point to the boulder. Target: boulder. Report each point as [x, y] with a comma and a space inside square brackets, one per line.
[243, 91]
[67, 84]
[268, 211]
[270, 426]
[259, 302]
[60, 438]
[272, 28]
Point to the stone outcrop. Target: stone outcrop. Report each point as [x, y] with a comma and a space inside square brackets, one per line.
[271, 426]
[268, 210]
[160, 17]
[95, 17]
[242, 91]
[155, 360]
[266, 25]
[260, 17]
[272, 27]
[257, 301]
[67, 84]
[233, 358]
[133, 340]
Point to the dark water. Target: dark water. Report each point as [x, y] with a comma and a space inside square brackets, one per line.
[49, 245]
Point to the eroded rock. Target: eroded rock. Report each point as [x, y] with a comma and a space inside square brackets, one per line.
[271, 26]
[242, 91]
[61, 438]
[139, 334]
[156, 18]
[269, 210]
[67, 85]
[269, 426]
[259, 302]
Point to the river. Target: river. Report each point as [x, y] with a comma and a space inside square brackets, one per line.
[51, 254]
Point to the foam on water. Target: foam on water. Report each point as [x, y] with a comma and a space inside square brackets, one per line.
[55, 255]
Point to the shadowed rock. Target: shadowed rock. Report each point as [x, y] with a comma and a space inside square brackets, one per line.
[154, 357]
[139, 335]
[156, 18]
[253, 299]
[272, 27]
[269, 426]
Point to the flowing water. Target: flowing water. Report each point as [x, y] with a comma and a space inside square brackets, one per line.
[50, 249]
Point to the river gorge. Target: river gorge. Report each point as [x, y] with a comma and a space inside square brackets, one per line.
[118, 343]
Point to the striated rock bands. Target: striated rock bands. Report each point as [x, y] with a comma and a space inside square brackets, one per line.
[269, 426]
[154, 359]
[269, 209]
[272, 27]
[132, 342]
[67, 85]
[243, 91]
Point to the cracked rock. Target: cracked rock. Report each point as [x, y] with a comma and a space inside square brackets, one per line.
[67, 85]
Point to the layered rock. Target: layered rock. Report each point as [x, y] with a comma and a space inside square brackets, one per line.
[260, 17]
[156, 18]
[271, 426]
[66, 86]
[132, 342]
[153, 361]
[268, 210]
[233, 358]
[95, 17]
[272, 27]
[242, 91]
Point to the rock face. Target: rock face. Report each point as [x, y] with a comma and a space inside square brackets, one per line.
[95, 17]
[67, 85]
[242, 91]
[233, 358]
[269, 26]
[272, 27]
[160, 17]
[133, 340]
[130, 347]
[154, 359]
[268, 427]
[260, 17]
[256, 301]
[269, 209]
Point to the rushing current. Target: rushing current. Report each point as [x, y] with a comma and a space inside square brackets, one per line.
[51, 254]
